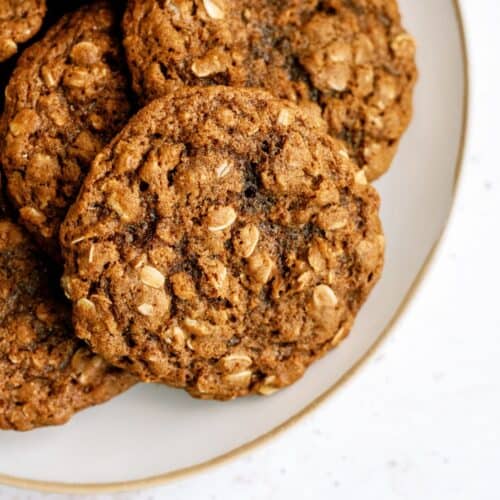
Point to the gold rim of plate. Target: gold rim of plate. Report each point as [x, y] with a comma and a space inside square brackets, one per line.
[163, 479]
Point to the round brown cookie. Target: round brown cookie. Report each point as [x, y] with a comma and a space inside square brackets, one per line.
[220, 243]
[351, 59]
[20, 20]
[46, 374]
[66, 99]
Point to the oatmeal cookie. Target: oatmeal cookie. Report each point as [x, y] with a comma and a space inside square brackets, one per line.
[67, 98]
[221, 243]
[20, 20]
[351, 60]
[46, 373]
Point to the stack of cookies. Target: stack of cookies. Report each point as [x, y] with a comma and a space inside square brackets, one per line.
[186, 192]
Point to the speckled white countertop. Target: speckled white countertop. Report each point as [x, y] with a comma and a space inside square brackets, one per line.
[421, 420]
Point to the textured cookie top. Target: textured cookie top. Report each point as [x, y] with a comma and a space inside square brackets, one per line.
[19, 21]
[220, 243]
[66, 99]
[352, 60]
[46, 374]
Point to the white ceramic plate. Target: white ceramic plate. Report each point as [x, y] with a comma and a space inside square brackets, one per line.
[153, 434]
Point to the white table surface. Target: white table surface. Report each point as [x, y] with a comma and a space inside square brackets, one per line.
[421, 420]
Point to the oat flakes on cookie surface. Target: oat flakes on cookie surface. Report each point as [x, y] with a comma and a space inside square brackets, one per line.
[350, 59]
[221, 243]
[46, 373]
[20, 20]
[66, 99]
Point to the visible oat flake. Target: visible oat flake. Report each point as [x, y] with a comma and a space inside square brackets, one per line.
[86, 305]
[151, 277]
[146, 309]
[223, 169]
[242, 378]
[324, 297]
[214, 8]
[221, 219]
[233, 361]
[285, 117]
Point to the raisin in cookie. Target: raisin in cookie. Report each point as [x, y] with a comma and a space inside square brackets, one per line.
[66, 99]
[351, 60]
[221, 243]
[46, 373]
[20, 20]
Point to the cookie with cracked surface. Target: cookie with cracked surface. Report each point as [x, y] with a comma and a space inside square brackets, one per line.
[46, 373]
[20, 20]
[67, 98]
[351, 60]
[221, 243]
